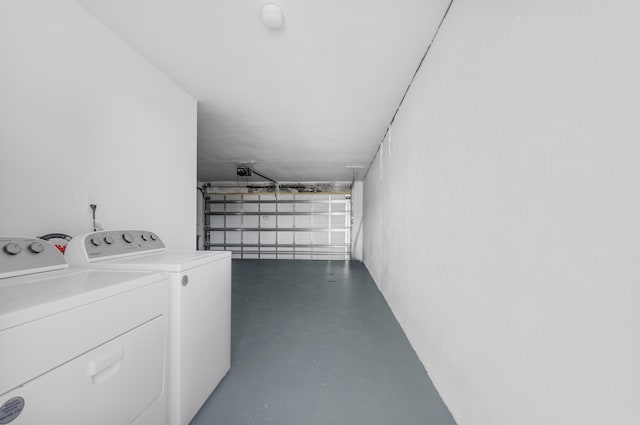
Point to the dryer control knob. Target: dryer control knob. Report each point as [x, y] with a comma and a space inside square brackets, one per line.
[127, 237]
[152, 236]
[144, 237]
[185, 280]
[36, 247]
[95, 241]
[108, 240]
[12, 248]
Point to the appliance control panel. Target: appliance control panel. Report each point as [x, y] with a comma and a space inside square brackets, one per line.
[19, 256]
[106, 244]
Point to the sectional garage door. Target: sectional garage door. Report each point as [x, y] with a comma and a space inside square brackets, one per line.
[280, 225]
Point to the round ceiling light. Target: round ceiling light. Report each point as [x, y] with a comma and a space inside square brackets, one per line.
[272, 16]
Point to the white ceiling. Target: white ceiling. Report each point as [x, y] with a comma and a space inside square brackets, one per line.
[303, 102]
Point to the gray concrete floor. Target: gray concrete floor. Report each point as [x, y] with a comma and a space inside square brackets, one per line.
[314, 342]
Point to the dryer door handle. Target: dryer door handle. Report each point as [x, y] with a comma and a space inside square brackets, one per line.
[102, 369]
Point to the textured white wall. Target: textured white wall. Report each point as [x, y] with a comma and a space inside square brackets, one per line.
[82, 113]
[502, 225]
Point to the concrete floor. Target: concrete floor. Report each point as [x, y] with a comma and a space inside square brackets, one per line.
[314, 342]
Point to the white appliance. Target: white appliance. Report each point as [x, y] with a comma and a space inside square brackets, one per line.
[79, 346]
[200, 307]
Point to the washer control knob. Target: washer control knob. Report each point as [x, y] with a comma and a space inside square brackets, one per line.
[108, 240]
[96, 241]
[153, 236]
[144, 237]
[12, 248]
[36, 247]
[185, 280]
[127, 237]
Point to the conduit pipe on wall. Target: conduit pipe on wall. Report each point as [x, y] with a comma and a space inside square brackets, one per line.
[407, 90]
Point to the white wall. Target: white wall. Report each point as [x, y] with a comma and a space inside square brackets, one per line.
[82, 113]
[357, 199]
[503, 226]
[200, 221]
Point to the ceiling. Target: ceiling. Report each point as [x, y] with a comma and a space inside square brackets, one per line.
[303, 102]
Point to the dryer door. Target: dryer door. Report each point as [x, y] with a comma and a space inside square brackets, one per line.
[112, 384]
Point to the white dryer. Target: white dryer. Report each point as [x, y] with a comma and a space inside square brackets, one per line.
[79, 346]
[200, 307]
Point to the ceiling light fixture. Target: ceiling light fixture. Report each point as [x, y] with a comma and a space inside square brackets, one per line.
[272, 16]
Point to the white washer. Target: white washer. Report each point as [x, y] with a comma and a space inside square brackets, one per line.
[200, 307]
[79, 346]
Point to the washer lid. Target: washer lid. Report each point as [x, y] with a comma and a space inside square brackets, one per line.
[29, 297]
